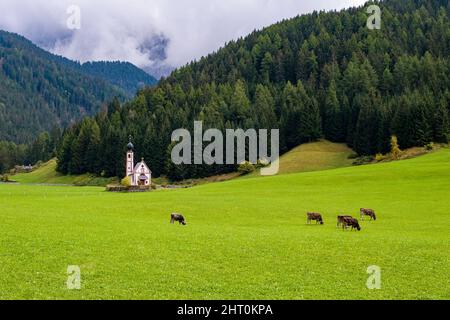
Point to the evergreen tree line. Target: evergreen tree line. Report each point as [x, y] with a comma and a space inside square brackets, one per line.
[322, 75]
[43, 148]
[39, 90]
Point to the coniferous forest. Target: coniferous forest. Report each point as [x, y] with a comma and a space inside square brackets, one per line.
[40, 93]
[39, 90]
[321, 75]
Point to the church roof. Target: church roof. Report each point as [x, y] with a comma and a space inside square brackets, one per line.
[139, 165]
[130, 145]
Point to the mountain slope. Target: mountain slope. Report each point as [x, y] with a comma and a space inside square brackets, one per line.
[39, 90]
[122, 74]
[321, 75]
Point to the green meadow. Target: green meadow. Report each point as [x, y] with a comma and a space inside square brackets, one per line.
[47, 174]
[244, 239]
[314, 156]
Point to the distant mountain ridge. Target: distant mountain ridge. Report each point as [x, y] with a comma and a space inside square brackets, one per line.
[39, 90]
[122, 74]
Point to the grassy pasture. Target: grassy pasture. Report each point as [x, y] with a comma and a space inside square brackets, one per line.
[245, 238]
[46, 174]
[316, 156]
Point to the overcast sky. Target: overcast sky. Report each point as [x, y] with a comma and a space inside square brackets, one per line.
[125, 29]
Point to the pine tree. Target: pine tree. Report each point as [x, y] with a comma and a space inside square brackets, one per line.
[303, 62]
[65, 153]
[265, 108]
[240, 104]
[290, 117]
[310, 125]
[93, 149]
[402, 123]
[333, 122]
[423, 133]
[366, 127]
[267, 67]
[441, 124]
[383, 135]
[387, 83]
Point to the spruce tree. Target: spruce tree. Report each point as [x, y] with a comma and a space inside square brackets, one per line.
[333, 122]
[265, 108]
[366, 127]
[310, 124]
[441, 123]
[240, 104]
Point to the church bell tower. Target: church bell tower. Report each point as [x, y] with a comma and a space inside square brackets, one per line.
[130, 159]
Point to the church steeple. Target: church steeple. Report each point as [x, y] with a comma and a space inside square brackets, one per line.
[130, 160]
[130, 145]
[140, 174]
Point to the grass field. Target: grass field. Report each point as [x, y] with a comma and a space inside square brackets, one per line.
[316, 156]
[46, 174]
[245, 238]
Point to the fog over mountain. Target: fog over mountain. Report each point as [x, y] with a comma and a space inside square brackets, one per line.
[156, 35]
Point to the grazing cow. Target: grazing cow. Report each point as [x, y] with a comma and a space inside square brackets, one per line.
[350, 222]
[314, 216]
[340, 220]
[177, 217]
[367, 212]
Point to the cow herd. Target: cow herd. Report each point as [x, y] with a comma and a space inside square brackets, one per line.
[343, 221]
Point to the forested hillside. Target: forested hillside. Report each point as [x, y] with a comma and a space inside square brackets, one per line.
[39, 91]
[122, 74]
[317, 75]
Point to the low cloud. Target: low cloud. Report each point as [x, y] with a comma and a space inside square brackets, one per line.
[148, 33]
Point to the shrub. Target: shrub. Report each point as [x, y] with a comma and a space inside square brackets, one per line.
[246, 167]
[116, 188]
[395, 149]
[379, 157]
[363, 160]
[126, 182]
[429, 146]
[353, 156]
[262, 163]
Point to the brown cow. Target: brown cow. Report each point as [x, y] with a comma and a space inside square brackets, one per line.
[340, 220]
[350, 222]
[314, 216]
[177, 217]
[367, 212]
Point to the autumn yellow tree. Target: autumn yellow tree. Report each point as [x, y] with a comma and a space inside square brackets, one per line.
[395, 149]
